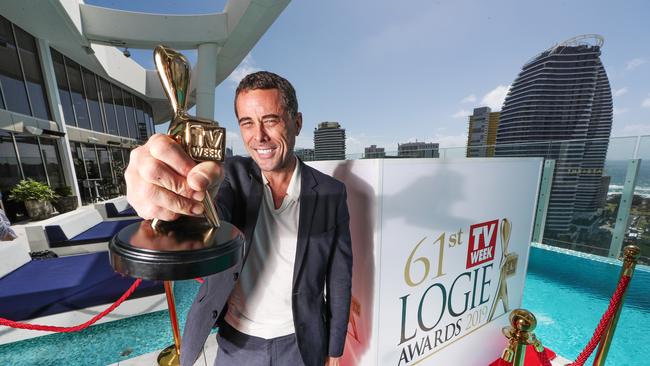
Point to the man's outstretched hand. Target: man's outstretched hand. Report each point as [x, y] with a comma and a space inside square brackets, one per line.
[163, 182]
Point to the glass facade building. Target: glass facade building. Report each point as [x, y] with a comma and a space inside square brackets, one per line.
[562, 94]
[90, 104]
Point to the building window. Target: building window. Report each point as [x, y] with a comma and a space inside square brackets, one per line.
[52, 162]
[77, 91]
[9, 168]
[104, 163]
[92, 94]
[11, 76]
[33, 74]
[91, 162]
[30, 158]
[119, 109]
[130, 114]
[64, 88]
[142, 122]
[109, 107]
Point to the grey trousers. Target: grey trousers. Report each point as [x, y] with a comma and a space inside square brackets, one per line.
[236, 348]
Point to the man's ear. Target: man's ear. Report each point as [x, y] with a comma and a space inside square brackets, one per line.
[298, 123]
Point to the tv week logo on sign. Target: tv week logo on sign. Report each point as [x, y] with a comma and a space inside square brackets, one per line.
[482, 243]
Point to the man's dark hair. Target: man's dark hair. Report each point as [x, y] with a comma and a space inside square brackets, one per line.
[269, 80]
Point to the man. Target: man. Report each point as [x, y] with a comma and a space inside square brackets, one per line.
[290, 304]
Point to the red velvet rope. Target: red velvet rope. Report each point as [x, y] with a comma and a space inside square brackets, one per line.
[604, 322]
[50, 328]
[543, 358]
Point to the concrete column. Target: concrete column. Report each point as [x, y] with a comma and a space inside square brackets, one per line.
[206, 79]
[56, 108]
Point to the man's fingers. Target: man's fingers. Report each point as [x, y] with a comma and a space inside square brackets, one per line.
[205, 175]
[155, 172]
[157, 212]
[165, 149]
[173, 202]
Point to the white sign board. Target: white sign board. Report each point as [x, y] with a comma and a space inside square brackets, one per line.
[440, 256]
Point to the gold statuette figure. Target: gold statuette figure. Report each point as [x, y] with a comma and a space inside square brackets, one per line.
[202, 139]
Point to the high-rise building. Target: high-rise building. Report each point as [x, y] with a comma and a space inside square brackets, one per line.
[418, 149]
[482, 132]
[560, 107]
[304, 154]
[329, 141]
[374, 152]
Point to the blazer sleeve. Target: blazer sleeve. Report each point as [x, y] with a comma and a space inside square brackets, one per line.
[339, 280]
[226, 196]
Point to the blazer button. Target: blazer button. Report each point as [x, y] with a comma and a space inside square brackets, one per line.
[215, 314]
[235, 276]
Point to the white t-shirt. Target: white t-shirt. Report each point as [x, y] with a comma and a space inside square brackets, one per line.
[260, 304]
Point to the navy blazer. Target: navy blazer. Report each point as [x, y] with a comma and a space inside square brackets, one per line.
[322, 271]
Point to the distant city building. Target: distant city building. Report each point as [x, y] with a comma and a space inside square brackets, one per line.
[563, 93]
[304, 154]
[374, 152]
[482, 132]
[418, 150]
[605, 180]
[329, 141]
[228, 152]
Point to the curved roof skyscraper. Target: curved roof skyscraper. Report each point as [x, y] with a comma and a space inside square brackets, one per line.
[560, 107]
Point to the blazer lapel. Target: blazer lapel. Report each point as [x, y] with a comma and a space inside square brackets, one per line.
[252, 206]
[308, 198]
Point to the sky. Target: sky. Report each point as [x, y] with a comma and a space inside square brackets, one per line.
[399, 71]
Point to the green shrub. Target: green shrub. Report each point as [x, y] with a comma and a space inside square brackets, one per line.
[64, 191]
[32, 190]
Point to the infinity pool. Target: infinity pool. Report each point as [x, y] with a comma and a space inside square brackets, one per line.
[568, 293]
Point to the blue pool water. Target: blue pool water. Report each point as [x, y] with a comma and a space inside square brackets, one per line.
[567, 292]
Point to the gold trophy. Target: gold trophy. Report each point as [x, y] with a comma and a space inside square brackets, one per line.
[189, 247]
[202, 139]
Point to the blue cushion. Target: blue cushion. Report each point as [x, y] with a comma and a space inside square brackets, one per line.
[103, 231]
[111, 211]
[56, 285]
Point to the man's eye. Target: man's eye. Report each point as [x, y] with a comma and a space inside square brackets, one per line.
[270, 121]
[245, 124]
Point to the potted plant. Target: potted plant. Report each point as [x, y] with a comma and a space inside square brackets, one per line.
[37, 197]
[65, 201]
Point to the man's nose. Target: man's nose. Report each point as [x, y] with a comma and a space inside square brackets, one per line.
[260, 133]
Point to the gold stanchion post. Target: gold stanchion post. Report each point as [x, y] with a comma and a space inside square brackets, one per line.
[520, 335]
[170, 356]
[630, 256]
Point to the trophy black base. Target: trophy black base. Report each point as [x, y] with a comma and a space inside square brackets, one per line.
[183, 249]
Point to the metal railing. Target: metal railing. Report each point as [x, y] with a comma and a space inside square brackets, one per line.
[615, 213]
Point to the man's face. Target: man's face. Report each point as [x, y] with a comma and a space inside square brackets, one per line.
[268, 133]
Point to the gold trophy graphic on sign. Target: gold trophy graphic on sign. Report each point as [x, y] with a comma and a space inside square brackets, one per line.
[508, 269]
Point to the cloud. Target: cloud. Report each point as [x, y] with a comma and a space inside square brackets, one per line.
[619, 92]
[469, 99]
[451, 141]
[634, 63]
[495, 97]
[619, 111]
[233, 141]
[646, 102]
[246, 67]
[461, 114]
[633, 130]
